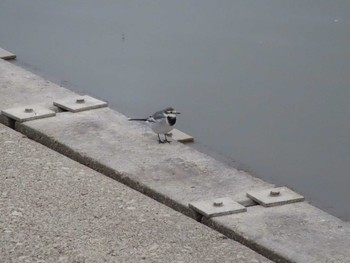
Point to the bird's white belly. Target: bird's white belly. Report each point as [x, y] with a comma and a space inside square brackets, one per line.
[160, 127]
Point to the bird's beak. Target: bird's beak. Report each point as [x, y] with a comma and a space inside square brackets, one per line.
[178, 112]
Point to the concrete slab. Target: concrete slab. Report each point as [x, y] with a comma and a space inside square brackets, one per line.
[181, 136]
[27, 113]
[217, 207]
[275, 196]
[79, 103]
[129, 152]
[295, 232]
[53, 209]
[4, 54]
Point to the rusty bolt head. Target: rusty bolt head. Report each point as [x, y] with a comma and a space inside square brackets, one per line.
[218, 203]
[275, 193]
[28, 110]
[81, 100]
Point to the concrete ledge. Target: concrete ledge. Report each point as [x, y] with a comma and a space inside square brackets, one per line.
[173, 174]
[53, 209]
[295, 232]
[177, 175]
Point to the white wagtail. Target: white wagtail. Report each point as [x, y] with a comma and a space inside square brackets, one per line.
[161, 122]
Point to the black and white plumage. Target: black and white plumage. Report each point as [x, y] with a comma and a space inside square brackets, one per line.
[161, 122]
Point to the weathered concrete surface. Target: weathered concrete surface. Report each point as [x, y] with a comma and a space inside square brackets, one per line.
[171, 173]
[295, 232]
[53, 209]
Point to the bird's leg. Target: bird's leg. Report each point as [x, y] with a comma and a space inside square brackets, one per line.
[166, 139]
[159, 140]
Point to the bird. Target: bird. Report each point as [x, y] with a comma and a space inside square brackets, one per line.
[161, 122]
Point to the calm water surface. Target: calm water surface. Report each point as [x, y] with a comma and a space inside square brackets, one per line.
[265, 83]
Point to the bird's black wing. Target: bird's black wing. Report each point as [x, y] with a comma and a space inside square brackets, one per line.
[158, 115]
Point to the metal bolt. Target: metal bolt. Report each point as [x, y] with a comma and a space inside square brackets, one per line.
[80, 100]
[275, 193]
[28, 110]
[218, 203]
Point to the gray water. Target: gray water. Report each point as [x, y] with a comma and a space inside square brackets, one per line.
[264, 83]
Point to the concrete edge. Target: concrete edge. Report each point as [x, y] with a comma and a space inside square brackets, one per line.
[103, 169]
[126, 180]
[95, 220]
[268, 253]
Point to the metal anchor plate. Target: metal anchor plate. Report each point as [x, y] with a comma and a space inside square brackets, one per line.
[28, 113]
[217, 207]
[274, 197]
[80, 103]
[180, 136]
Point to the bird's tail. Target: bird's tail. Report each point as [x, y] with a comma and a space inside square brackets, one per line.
[137, 119]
